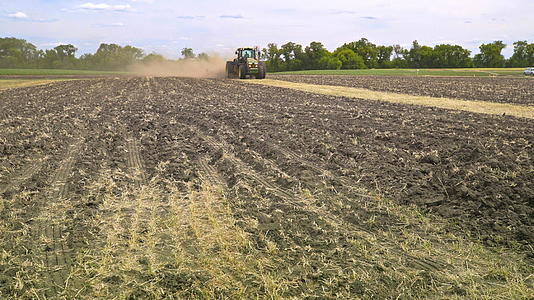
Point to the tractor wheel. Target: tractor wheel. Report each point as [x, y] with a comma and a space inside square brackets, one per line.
[242, 72]
[261, 71]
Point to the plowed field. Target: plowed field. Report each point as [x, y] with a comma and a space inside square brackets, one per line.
[503, 90]
[151, 188]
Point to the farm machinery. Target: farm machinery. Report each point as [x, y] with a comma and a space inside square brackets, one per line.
[247, 63]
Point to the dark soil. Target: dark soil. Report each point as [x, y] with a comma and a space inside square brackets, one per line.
[504, 90]
[266, 145]
[62, 76]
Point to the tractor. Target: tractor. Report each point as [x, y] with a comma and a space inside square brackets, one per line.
[246, 64]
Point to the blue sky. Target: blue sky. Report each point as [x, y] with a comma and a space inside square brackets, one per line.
[166, 26]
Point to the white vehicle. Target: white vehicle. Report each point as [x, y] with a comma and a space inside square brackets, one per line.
[529, 71]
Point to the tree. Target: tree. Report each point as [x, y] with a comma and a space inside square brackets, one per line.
[288, 51]
[51, 59]
[366, 50]
[129, 55]
[329, 62]
[384, 56]
[420, 56]
[272, 55]
[293, 56]
[426, 55]
[490, 55]
[65, 56]
[314, 53]
[523, 55]
[399, 57]
[106, 56]
[452, 56]
[188, 53]
[87, 61]
[153, 58]
[65, 51]
[203, 56]
[530, 51]
[349, 59]
[17, 53]
[115, 57]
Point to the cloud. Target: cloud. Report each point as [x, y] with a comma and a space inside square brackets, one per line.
[105, 6]
[23, 17]
[343, 12]
[369, 18]
[231, 17]
[115, 24]
[18, 15]
[191, 17]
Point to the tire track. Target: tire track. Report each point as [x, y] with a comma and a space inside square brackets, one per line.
[415, 262]
[334, 220]
[134, 162]
[146, 210]
[24, 174]
[347, 228]
[322, 171]
[209, 174]
[52, 242]
[247, 170]
[244, 168]
[424, 263]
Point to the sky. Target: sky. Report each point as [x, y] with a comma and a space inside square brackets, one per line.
[166, 27]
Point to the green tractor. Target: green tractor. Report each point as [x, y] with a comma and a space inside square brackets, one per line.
[246, 64]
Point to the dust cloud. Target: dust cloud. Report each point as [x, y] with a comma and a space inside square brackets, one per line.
[212, 67]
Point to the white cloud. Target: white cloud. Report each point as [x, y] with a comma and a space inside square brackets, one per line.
[18, 15]
[105, 6]
[191, 17]
[231, 17]
[113, 24]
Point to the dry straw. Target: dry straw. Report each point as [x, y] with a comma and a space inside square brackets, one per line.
[483, 107]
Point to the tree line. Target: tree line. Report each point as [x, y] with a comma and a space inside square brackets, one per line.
[18, 53]
[361, 54]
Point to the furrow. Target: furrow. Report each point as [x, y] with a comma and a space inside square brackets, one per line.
[24, 174]
[52, 245]
[208, 172]
[134, 161]
[245, 168]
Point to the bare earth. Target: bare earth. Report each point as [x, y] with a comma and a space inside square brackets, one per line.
[503, 90]
[151, 188]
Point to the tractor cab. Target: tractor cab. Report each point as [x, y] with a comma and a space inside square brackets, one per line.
[244, 53]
